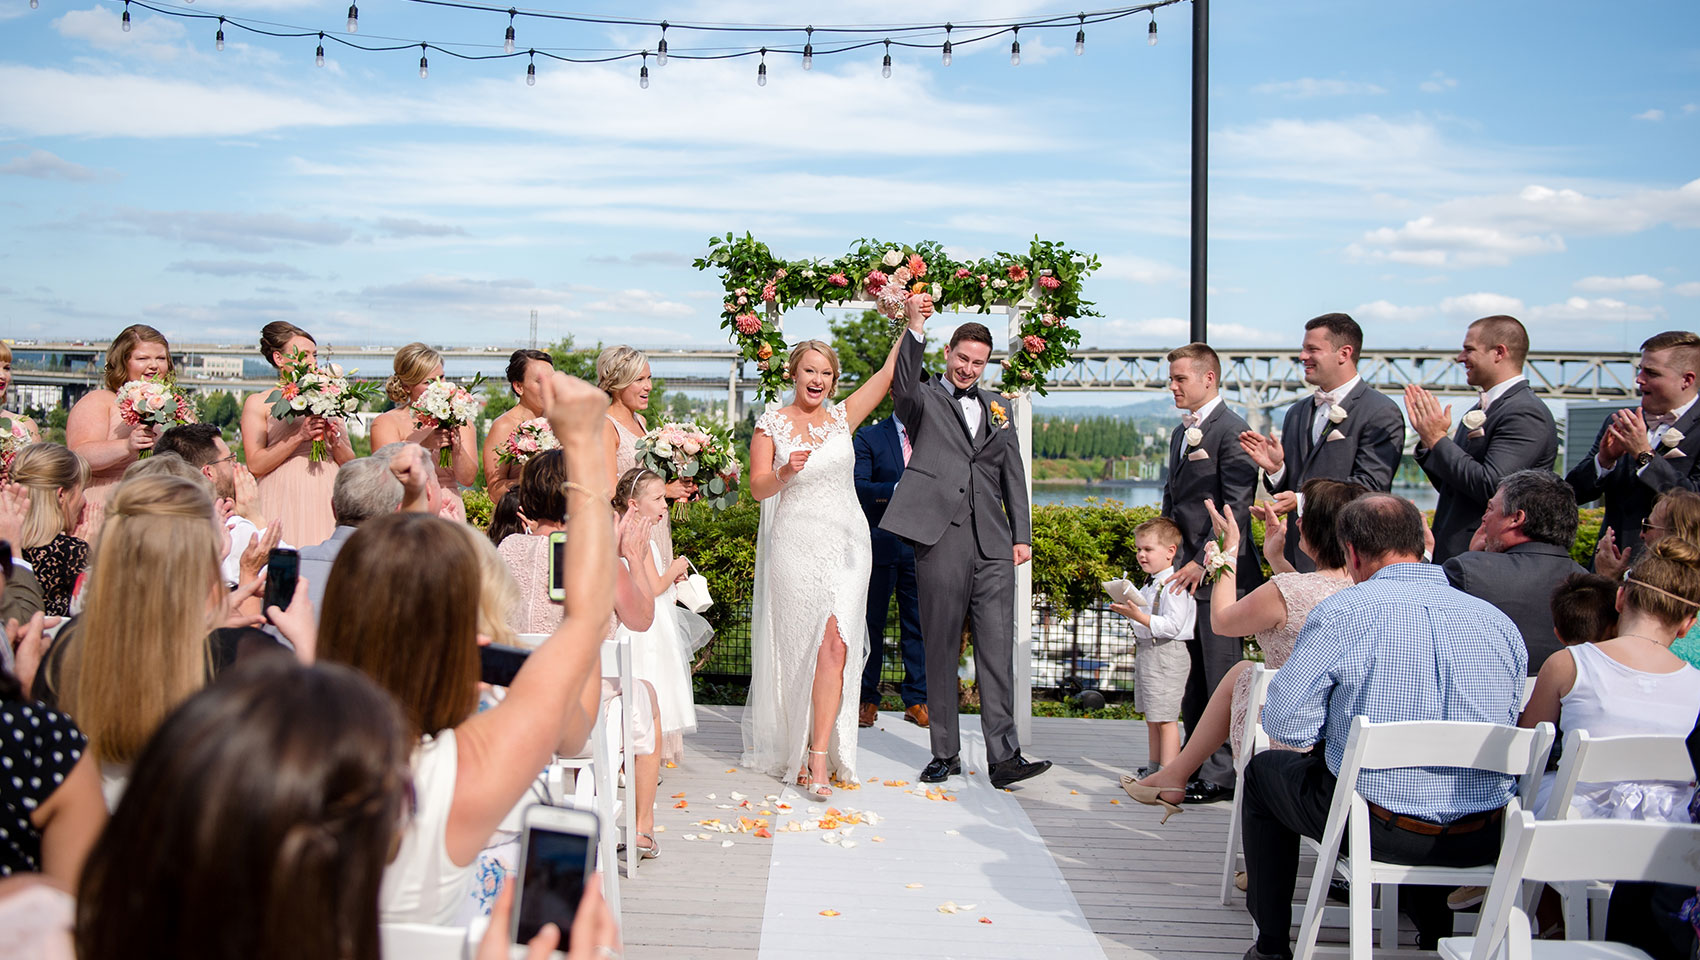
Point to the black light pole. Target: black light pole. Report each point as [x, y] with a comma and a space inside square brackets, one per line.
[1200, 161]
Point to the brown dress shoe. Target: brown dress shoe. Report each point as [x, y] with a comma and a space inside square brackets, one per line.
[870, 713]
[917, 715]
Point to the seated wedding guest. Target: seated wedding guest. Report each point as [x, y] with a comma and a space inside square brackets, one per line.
[413, 627]
[1399, 645]
[55, 478]
[50, 804]
[527, 369]
[202, 446]
[365, 489]
[259, 825]
[144, 643]
[1161, 627]
[505, 520]
[415, 366]
[1675, 513]
[32, 431]
[418, 473]
[22, 596]
[1272, 615]
[1521, 553]
[236, 566]
[1584, 609]
[1631, 684]
[94, 429]
[291, 487]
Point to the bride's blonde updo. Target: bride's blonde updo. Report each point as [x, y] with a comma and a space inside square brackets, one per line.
[824, 349]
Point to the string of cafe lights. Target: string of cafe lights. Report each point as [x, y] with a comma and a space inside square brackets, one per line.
[837, 39]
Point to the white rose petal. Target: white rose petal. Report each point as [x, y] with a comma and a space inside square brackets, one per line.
[1000, 283]
[1474, 420]
[893, 257]
[1336, 413]
[1194, 436]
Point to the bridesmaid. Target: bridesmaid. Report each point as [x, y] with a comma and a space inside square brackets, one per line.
[18, 419]
[95, 431]
[527, 369]
[416, 365]
[623, 373]
[292, 488]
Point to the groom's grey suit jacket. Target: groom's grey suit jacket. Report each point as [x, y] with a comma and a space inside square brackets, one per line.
[952, 477]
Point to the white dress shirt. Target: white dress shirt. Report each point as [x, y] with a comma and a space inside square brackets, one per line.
[1319, 422]
[971, 410]
[1498, 390]
[1173, 615]
[1203, 413]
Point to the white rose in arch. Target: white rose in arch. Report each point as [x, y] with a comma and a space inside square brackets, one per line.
[893, 257]
[1194, 436]
[1336, 413]
[1672, 437]
[1474, 420]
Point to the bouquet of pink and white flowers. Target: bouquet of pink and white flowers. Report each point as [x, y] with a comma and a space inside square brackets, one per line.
[528, 440]
[305, 389]
[447, 405]
[13, 437]
[156, 402]
[687, 451]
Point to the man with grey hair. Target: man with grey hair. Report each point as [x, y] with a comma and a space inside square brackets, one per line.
[365, 488]
[1521, 553]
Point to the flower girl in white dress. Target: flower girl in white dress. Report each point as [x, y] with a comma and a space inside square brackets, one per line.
[661, 654]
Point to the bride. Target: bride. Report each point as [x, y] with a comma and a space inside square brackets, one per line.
[808, 631]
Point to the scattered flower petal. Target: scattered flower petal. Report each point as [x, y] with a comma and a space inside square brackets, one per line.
[848, 844]
[1118, 802]
[829, 913]
[985, 919]
[953, 833]
[1074, 793]
[671, 765]
[877, 839]
[711, 797]
[725, 843]
[912, 886]
[680, 805]
[679, 796]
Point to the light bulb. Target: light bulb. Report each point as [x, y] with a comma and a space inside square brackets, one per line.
[353, 18]
[808, 56]
[218, 41]
[531, 74]
[643, 77]
[661, 48]
[885, 68]
[508, 41]
[1080, 40]
[125, 23]
[319, 56]
[947, 44]
[1015, 54]
[424, 68]
[761, 75]
[1152, 32]
[34, 4]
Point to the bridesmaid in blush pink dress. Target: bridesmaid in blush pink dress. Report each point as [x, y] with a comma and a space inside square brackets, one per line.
[95, 431]
[623, 373]
[416, 364]
[293, 489]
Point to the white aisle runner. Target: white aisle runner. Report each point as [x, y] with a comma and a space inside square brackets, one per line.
[978, 852]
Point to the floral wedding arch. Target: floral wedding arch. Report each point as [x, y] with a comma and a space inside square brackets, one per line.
[1041, 288]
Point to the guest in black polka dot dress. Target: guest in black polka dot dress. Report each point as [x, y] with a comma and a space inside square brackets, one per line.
[51, 809]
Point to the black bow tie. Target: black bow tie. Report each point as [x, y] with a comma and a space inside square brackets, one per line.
[972, 392]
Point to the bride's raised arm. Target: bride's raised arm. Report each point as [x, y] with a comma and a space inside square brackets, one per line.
[859, 404]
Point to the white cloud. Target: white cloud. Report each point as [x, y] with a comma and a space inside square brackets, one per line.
[1174, 331]
[1426, 242]
[157, 38]
[1690, 107]
[1305, 88]
[1369, 152]
[1636, 283]
[1438, 82]
[1139, 270]
[1601, 310]
[1482, 304]
[1654, 115]
[271, 270]
[41, 165]
[1384, 311]
[248, 233]
[1691, 289]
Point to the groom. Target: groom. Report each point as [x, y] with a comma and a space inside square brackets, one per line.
[963, 503]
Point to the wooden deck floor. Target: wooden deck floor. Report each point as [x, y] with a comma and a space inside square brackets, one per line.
[1147, 890]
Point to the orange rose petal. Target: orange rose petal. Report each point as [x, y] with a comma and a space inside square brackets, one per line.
[764, 833]
[1115, 801]
[678, 796]
[985, 919]
[1073, 793]
[671, 765]
[680, 805]
[829, 913]
[728, 769]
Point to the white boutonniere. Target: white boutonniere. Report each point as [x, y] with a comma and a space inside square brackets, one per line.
[1194, 436]
[1336, 413]
[1671, 438]
[1474, 420]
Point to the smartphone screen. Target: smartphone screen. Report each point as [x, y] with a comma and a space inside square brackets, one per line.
[500, 664]
[554, 872]
[557, 566]
[283, 568]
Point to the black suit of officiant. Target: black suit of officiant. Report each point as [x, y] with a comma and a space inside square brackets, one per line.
[963, 503]
[1466, 468]
[1219, 470]
[1363, 448]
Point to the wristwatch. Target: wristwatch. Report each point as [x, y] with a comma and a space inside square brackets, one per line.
[1643, 458]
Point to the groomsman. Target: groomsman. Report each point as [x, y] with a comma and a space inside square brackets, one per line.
[1345, 431]
[882, 451]
[1206, 462]
[1641, 453]
[1508, 430]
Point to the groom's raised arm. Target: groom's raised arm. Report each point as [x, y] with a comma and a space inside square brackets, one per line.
[906, 381]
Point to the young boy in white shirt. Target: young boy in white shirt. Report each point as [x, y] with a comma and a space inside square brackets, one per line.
[1161, 627]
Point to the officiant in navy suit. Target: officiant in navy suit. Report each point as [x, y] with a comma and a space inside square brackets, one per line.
[1206, 462]
[882, 451]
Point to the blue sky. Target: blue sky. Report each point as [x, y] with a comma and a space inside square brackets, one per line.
[1415, 164]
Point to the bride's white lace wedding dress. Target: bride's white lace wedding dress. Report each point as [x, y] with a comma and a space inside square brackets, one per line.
[812, 562]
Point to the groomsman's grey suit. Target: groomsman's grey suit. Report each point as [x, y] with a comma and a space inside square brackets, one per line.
[1628, 491]
[1518, 434]
[1218, 469]
[963, 503]
[1363, 448]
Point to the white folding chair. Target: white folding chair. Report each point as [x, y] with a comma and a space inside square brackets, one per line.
[1252, 740]
[597, 776]
[1572, 851]
[1387, 746]
[1606, 760]
[422, 941]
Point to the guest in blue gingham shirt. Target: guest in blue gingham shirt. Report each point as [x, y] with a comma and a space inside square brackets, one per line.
[1403, 645]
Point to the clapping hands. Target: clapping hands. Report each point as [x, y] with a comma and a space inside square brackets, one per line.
[1264, 451]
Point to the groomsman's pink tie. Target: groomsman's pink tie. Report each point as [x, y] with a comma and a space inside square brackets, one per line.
[907, 449]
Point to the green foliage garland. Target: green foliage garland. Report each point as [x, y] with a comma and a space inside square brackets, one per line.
[1048, 276]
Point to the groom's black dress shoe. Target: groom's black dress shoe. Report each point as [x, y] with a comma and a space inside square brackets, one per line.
[1016, 769]
[938, 770]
